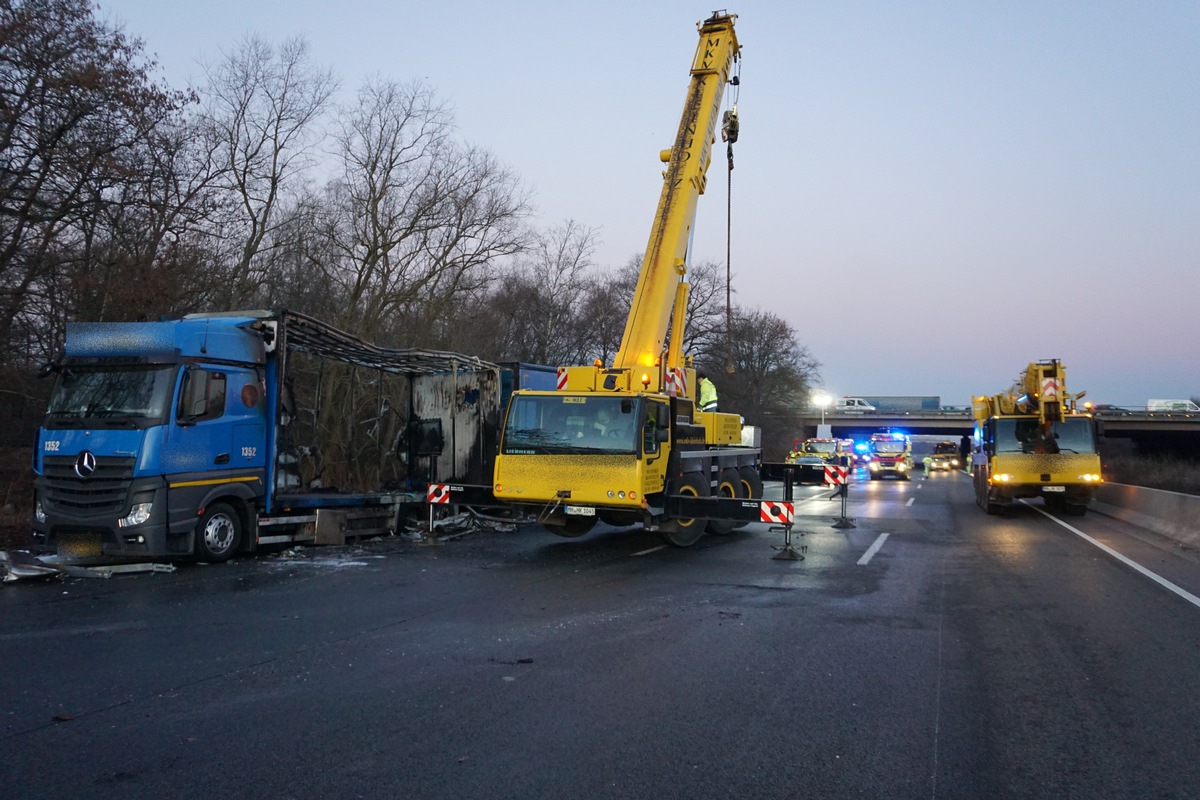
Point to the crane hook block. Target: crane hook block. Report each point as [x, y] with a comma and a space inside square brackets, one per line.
[729, 126]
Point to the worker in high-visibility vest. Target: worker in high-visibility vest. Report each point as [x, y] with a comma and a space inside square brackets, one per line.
[708, 393]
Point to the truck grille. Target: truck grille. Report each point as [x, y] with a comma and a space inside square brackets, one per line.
[105, 490]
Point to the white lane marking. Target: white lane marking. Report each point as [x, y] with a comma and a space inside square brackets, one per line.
[873, 549]
[1161, 581]
[651, 550]
[910, 502]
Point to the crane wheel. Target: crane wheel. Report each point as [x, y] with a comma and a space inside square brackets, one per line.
[751, 482]
[729, 486]
[685, 532]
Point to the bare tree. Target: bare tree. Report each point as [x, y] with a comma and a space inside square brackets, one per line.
[147, 250]
[771, 373]
[262, 105]
[705, 312]
[76, 101]
[604, 312]
[539, 310]
[416, 218]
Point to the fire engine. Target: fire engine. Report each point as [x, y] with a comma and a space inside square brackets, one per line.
[890, 454]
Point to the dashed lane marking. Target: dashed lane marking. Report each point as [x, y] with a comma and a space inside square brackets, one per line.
[873, 549]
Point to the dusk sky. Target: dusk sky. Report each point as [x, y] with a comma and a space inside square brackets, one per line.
[932, 194]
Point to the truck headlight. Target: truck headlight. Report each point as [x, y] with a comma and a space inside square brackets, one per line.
[138, 514]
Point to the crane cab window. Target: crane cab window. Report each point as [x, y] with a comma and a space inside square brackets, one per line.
[566, 424]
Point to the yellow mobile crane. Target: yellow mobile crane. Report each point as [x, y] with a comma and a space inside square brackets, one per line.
[626, 443]
[1033, 441]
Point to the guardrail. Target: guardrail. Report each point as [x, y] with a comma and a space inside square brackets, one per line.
[1171, 514]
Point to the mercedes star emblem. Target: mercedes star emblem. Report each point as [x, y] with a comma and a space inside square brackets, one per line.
[85, 465]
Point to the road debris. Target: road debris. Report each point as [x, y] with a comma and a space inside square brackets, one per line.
[22, 565]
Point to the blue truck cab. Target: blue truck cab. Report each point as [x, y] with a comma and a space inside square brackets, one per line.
[155, 442]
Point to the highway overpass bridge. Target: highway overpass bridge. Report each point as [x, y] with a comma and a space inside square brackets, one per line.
[1150, 432]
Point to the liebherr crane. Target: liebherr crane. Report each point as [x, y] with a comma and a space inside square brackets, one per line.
[1033, 441]
[618, 442]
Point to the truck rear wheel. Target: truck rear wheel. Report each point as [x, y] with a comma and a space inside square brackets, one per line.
[218, 533]
[751, 482]
[685, 532]
[729, 486]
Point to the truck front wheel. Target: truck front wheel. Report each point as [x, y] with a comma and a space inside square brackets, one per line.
[685, 532]
[218, 534]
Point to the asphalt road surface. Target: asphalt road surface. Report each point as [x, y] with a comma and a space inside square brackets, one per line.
[930, 651]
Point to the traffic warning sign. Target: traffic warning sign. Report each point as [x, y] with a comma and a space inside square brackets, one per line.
[769, 511]
[835, 475]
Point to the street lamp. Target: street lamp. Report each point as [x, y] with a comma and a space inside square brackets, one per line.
[822, 402]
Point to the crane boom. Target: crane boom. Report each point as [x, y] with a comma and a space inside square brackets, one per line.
[664, 264]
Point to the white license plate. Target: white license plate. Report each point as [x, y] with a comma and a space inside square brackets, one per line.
[1054, 488]
[580, 511]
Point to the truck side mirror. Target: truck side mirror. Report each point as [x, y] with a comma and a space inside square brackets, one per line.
[663, 418]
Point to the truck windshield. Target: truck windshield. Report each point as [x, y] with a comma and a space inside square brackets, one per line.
[570, 424]
[888, 446]
[945, 449]
[820, 447]
[1025, 436]
[137, 393]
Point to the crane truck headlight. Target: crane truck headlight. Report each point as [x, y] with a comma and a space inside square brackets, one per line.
[1002, 477]
[1090, 478]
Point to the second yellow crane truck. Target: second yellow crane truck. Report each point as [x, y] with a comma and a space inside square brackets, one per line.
[1034, 441]
[626, 443]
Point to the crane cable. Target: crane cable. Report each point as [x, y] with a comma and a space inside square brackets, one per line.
[729, 135]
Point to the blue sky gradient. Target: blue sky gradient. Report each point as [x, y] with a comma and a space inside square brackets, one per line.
[932, 194]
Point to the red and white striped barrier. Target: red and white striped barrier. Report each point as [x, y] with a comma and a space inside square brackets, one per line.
[783, 513]
[835, 475]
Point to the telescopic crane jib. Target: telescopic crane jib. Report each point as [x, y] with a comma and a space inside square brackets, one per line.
[661, 283]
